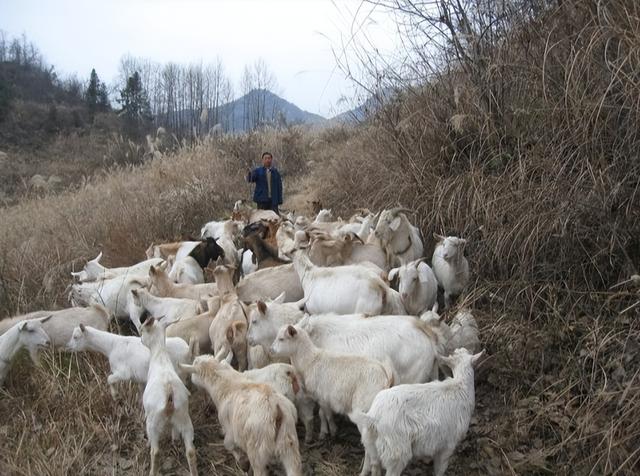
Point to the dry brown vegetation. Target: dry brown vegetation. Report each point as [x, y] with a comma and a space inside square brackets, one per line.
[529, 148]
[530, 151]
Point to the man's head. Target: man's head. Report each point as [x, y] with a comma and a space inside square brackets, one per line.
[267, 158]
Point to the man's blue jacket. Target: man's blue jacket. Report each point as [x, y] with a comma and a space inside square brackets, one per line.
[261, 193]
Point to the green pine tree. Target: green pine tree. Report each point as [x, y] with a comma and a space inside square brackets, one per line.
[91, 94]
[104, 105]
[135, 107]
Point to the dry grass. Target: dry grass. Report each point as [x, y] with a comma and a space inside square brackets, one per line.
[543, 181]
[122, 210]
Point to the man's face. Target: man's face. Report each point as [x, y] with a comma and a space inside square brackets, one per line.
[266, 160]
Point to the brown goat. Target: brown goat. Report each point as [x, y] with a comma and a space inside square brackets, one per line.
[264, 253]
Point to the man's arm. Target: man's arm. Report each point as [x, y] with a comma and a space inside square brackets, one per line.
[251, 175]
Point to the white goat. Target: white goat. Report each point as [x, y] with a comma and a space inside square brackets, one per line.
[407, 344]
[231, 309]
[340, 383]
[450, 266]
[284, 379]
[114, 294]
[301, 222]
[177, 249]
[186, 270]
[62, 322]
[464, 332]
[165, 398]
[324, 216]
[249, 263]
[227, 242]
[285, 238]
[128, 357]
[195, 328]
[362, 228]
[162, 286]
[169, 310]
[417, 286]
[215, 229]
[29, 334]
[257, 421]
[266, 283]
[372, 252]
[400, 239]
[93, 270]
[266, 319]
[420, 420]
[345, 289]
[263, 215]
[329, 250]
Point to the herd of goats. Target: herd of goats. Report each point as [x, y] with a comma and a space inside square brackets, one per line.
[296, 313]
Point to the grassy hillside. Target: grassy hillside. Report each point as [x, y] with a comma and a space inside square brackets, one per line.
[529, 150]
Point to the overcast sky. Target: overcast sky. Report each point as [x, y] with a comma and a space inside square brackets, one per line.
[294, 37]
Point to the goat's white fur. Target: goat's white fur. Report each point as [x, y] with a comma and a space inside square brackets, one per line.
[420, 420]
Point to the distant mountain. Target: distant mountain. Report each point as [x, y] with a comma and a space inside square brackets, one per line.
[364, 110]
[263, 107]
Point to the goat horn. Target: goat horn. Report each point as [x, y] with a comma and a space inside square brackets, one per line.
[188, 368]
[397, 210]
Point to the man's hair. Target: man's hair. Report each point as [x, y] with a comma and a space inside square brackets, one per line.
[267, 153]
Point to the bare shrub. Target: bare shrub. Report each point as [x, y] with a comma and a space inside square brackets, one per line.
[519, 130]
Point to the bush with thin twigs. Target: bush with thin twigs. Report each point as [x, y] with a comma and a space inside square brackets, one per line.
[529, 149]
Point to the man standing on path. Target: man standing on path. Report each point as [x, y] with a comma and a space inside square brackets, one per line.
[268, 192]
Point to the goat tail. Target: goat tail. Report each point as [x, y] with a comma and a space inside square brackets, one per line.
[278, 423]
[367, 427]
[103, 310]
[295, 383]
[169, 406]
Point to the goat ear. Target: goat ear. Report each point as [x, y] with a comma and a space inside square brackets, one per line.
[146, 318]
[23, 327]
[230, 334]
[438, 238]
[392, 274]
[82, 328]
[423, 274]
[395, 223]
[476, 357]
[280, 298]
[239, 327]
[262, 307]
[45, 319]
[97, 258]
[152, 270]
[134, 292]
[292, 331]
